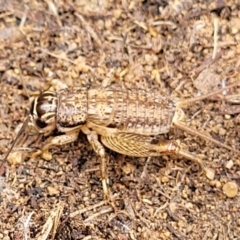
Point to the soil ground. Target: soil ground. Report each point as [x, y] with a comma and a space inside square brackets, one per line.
[182, 49]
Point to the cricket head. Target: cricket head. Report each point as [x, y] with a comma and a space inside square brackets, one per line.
[42, 118]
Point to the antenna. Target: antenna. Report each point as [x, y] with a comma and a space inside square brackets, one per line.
[15, 140]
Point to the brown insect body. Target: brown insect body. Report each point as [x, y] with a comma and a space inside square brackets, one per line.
[132, 111]
[128, 121]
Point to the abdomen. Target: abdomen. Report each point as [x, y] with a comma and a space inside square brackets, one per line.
[131, 110]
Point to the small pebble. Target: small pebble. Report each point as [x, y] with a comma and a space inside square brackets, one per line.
[230, 189]
[229, 164]
[52, 191]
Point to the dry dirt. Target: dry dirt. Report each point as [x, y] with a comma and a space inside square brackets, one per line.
[182, 49]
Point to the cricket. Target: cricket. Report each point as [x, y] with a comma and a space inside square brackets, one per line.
[124, 120]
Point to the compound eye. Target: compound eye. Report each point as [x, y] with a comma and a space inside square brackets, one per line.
[40, 123]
